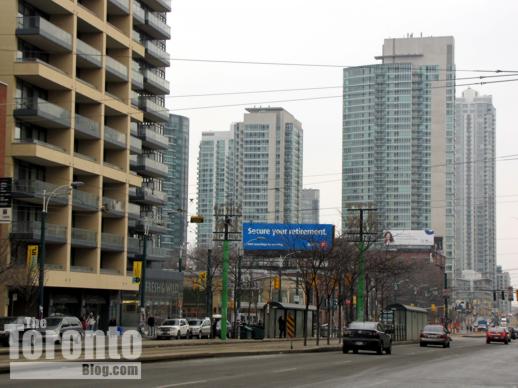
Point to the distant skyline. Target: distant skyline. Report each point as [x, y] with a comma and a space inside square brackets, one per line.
[484, 35]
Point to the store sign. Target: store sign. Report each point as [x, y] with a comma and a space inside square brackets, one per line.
[32, 255]
[137, 271]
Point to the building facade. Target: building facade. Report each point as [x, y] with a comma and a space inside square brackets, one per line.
[398, 137]
[176, 157]
[475, 227]
[310, 207]
[503, 290]
[86, 86]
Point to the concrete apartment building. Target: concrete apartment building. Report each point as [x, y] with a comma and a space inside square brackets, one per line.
[255, 169]
[398, 137]
[503, 284]
[475, 225]
[310, 206]
[86, 86]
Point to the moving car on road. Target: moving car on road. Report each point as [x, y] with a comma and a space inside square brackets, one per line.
[176, 328]
[497, 334]
[435, 335]
[367, 336]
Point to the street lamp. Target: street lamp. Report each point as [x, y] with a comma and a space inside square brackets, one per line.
[281, 266]
[41, 258]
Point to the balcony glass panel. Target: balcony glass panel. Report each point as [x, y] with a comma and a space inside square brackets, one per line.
[153, 111]
[113, 206]
[155, 54]
[133, 210]
[154, 83]
[157, 27]
[84, 200]
[86, 128]
[31, 231]
[114, 137]
[115, 71]
[152, 139]
[43, 34]
[139, 15]
[87, 56]
[135, 145]
[35, 188]
[137, 79]
[42, 112]
[112, 241]
[84, 237]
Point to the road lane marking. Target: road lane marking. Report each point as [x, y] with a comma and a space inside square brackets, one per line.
[184, 383]
[284, 370]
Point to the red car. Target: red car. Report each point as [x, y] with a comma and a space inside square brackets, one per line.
[497, 334]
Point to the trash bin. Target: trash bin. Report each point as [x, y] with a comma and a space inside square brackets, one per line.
[257, 332]
[245, 332]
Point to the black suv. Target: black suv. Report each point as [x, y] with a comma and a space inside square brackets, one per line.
[367, 336]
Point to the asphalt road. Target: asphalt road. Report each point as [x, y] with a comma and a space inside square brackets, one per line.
[468, 363]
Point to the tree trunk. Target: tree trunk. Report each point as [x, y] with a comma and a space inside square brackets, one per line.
[329, 323]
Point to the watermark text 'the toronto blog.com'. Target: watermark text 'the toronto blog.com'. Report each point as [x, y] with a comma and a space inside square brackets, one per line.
[37, 352]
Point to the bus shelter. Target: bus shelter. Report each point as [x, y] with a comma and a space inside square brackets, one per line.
[293, 316]
[405, 321]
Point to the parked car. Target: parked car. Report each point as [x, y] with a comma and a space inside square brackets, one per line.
[497, 334]
[367, 336]
[435, 335]
[194, 326]
[170, 328]
[57, 325]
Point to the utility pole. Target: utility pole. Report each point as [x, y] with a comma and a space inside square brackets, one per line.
[209, 283]
[360, 239]
[445, 299]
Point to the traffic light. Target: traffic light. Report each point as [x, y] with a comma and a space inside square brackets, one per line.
[433, 308]
[276, 282]
[197, 219]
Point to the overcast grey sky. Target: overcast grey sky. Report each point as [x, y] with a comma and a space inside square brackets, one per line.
[336, 32]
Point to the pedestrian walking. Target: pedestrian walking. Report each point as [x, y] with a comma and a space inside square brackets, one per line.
[91, 322]
[151, 325]
[282, 327]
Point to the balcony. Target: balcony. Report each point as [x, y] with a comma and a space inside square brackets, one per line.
[135, 145]
[154, 83]
[147, 196]
[86, 128]
[152, 224]
[84, 201]
[156, 27]
[156, 55]
[133, 210]
[114, 139]
[152, 139]
[41, 112]
[115, 71]
[134, 128]
[146, 166]
[81, 268]
[158, 253]
[158, 5]
[50, 7]
[139, 15]
[137, 79]
[84, 238]
[118, 7]
[87, 56]
[153, 111]
[112, 242]
[134, 98]
[32, 191]
[43, 34]
[112, 208]
[30, 232]
[133, 246]
[137, 37]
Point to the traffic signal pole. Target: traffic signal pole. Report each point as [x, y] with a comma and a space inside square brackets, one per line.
[224, 280]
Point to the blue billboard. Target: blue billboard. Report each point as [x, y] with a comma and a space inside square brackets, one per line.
[287, 237]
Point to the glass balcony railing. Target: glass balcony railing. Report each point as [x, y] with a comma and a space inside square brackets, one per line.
[158, 5]
[156, 55]
[154, 83]
[135, 98]
[112, 207]
[115, 71]
[114, 138]
[139, 15]
[135, 145]
[133, 245]
[43, 34]
[42, 112]
[35, 188]
[137, 79]
[85, 238]
[148, 196]
[156, 27]
[152, 139]
[82, 200]
[153, 111]
[30, 231]
[158, 253]
[86, 128]
[112, 242]
[87, 56]
[151, 168]
[133, 210]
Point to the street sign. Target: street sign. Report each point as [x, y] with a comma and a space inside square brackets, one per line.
[6, 199]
